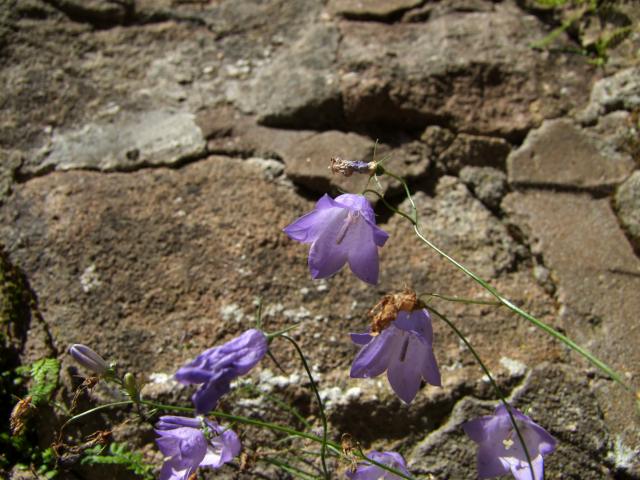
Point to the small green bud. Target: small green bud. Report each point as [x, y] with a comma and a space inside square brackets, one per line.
[131, 387]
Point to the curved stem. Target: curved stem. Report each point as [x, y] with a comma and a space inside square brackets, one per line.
[281, 332]
[414, 210]
[314, 387]
[388, 205]
[493, 384]
[94, 410]
[470, 301]
[504, 301]
[527, 316]
[296, 472]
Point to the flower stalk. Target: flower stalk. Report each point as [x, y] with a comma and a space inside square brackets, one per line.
[414, 219]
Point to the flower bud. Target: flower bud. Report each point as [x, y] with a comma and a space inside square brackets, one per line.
[349, 167]
[88, 358]
[131, 387]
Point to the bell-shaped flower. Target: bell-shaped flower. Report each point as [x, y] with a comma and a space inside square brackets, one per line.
[189, 443]
[341, 231]
[216, 367]
[500, 449]
[88, 358]
[403, 349]
[369, 471]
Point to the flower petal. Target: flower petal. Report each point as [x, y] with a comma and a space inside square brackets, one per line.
[170, 471]
[477, 429]
[430, 371]
[361, 338]
[170, 422]
[307, 228]
[545, 441]
[405, 369]
[522, 471]
[207, 396]
[365, 472]
[488, 463]
[362, 251]
[380, 237]
[373, 358]
[418, 322]
[327, 256]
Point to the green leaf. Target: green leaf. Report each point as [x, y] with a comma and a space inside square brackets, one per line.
[44, 375]
[118, 454]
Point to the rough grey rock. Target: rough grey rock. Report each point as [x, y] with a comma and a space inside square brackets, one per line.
[371, 10]
[618, 133]
[455, 218]
[476, 151]
[560, 153]
[10, 162]
[307, 162]
[298, 88]
[597, 278]
[617, 92]
[488, 184]
[97, 12]
[136, 140]
[431, 10]
[240, 136]
[627, 202]
[457, 70]
[307, 153]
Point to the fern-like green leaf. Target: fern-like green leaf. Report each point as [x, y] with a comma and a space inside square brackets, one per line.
[119, 454]
[44, 376]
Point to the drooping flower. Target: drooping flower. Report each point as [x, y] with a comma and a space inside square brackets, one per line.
[189, 443]
[88, 358]
[341, 231]
[500, 449]
[216, 367]
[403, 349]
[368, 471]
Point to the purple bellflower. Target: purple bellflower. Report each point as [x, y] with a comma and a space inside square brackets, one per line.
[500, 450]
[216, 367]
[404, 350]
[341, 231]
[189, 443]
[88, 358]
[368, 471]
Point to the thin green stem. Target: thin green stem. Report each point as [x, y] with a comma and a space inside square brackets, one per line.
[414, 210]
[259, 314]
[323, 417]
[493, 384]
[94, 410]
[284, 405]
[280, 332]
[470, 301]
[389, 206]
[504, 301]
[296, 472]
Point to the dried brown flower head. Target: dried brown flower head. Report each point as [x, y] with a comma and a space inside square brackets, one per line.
[386, 310]
[19, 415]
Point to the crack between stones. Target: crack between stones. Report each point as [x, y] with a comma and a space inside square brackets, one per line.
[23, 177]
[596, 192]
[388, 19]
[129, 17]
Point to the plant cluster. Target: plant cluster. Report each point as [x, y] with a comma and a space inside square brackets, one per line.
[340, 231]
